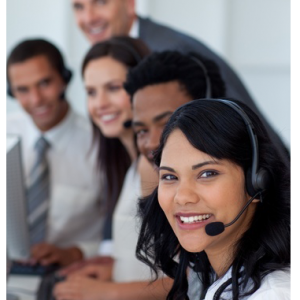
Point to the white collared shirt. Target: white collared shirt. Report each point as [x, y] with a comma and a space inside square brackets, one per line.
[75, 214]
[126, 226]
[135, 27]
[275, 286]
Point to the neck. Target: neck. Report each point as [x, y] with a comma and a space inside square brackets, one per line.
[127, 140]
[222, 255]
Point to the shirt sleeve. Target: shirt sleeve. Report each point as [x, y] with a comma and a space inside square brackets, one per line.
[106, 248]
[274, 294]
[89, 249]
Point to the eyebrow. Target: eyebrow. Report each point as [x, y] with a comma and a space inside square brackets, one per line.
[194, 167]
[162, 116]
[155, 119]
[44, 79]
[209, 162]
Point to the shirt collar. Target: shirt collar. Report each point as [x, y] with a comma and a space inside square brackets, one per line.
[57, 135]
[134, 30]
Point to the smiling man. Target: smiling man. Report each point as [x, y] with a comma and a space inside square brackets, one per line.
[102, 19]
[63, 196]
[160, 84]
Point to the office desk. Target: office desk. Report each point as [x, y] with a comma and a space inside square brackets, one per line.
[23, 286]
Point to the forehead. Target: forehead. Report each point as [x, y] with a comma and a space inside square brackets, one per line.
[177, 145]
[156, 99]
[103, 69]
[30, 70]
[92, 2]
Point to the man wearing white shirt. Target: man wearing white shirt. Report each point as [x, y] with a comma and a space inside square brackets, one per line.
[37, 78]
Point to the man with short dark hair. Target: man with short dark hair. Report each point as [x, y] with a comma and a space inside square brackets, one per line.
[63, 196]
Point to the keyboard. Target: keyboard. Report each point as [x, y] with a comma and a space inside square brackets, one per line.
[18, 268]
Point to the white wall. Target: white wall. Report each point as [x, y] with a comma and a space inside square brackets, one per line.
[254, 36]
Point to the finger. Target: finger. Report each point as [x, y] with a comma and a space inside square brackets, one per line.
[52, 258]
[87, 271]
[73, 268]
[36, 248]
[42, 251]
[66, 292]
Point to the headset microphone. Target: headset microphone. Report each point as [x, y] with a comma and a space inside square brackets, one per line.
[216, 228]
[127, 124]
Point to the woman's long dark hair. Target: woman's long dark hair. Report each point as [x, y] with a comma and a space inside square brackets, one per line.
[216, 129]
[113, 158]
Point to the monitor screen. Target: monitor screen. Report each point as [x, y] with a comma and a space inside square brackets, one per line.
[18, 245]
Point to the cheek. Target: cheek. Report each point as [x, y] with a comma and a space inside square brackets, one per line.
[123, 100]
[141, 143]
[53, 92]
[165, 200]
[23, 101]
[79, 20]
[90, 106]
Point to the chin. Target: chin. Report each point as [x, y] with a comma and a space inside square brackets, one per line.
[111, 133]
[192, 246]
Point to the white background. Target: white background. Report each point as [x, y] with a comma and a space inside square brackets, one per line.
[253, 35]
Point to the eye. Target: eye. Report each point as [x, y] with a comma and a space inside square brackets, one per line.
[77, 7]
[21, 90]
[102, 2]
[141, 133]
[168, 177]
[44, 83]
[208, 174]
[90, 92]
[114, 88]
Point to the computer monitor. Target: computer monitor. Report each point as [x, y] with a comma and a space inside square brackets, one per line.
[17, 238]
[9, 296]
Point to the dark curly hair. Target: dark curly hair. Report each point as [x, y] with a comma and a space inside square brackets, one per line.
[191, 71]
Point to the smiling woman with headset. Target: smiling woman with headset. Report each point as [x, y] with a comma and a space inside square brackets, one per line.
[222, 206]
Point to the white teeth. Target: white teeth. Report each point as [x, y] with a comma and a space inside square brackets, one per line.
[108, 117]
[96, 30]
[194, 219]
[41, 110]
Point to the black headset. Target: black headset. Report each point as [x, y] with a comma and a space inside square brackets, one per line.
[65, 73]
[207, 80]
[257, 179]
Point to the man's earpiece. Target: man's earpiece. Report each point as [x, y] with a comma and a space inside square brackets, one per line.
[66, 74]
[8, 90]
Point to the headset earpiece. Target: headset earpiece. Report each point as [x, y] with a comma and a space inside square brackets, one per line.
[8, 90]
[257, 183]
[66, 75]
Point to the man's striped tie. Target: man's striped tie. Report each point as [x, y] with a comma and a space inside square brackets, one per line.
[38, 193]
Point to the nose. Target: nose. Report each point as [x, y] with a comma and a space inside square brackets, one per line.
[100, 101]
[152, 142]
[89, 15]
[35, 97]
[185, 194]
